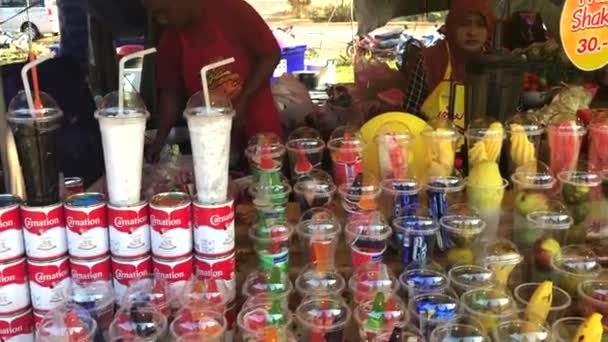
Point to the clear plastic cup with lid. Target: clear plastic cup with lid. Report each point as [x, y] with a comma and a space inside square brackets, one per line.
[572, 265]
[314, 190]
[501, 257]
[398, 194]
[393, 140]
[524, 140]
[346, 147]
[565, 133]
[271, 245]
[318, 232]
[461, 235]
[405, 333]
[424, 280]
[367, 238]
[468, 277]
[485, 138]
[141, 321]
[458, 332]
[416, 234]
[305, 149]
[598, 138]
[151, 290]
[430, 310]
[382, 313]
[311, 282]
[593, 297]
[265, 152]
[209, 325]
[370, 279]
[68, 322]
[520, 329]
[274, 284]
[323, 318]
[360, 196]
[560, 300]
[207, 293]
[489, 306]
[441, 139]
[254, 321]
[98, 299]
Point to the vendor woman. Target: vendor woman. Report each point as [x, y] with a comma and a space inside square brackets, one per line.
[468, 29]
[200, 32]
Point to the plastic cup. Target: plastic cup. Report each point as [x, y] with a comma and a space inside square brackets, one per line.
[484, 141]
[520, 329]
[441, 192]
[262, 148]
[593, 297]
[143, 322]
[598, 138]
[209, 325]
[150, 290]
[323, 319]
[383, 313]
[408, 333]
[311, 282]
[398, 195]
[36, 135]
[461, 235]
[254, 320]
[501, 257]
[458, 332]
[67, 323]
[488, 202]
[431, 310]
[560, 304]
[565, 329]
[573, 265]
[318, 232]
[425, 280]
[274, 284]
[314, 190]
[370, 279]
[305, 150]
[393, 140]
[441, 141]
[270, 199]
[271, 245]
[416, 235]
[360, 196]
[97, 299]
[523, 145]
[367, 238]
[489, 306]
[207, 293]
[468, 277]
[565, 135]
[346, 148]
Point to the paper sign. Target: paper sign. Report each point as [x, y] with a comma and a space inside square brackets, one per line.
[584, 33]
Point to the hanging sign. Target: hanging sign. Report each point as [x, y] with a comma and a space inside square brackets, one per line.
[584, 33]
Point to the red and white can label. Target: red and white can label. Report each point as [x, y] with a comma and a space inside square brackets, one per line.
[18, 327]
[38, 317]
[217, 268]
[14, 287]
[124, 272]
[175, 272]
[11, 234]
[86, 271]
[129, 231]
[214, 229]
[44, 232]
[87, 226]
[49, 282]
[360, 258]
[171, 225]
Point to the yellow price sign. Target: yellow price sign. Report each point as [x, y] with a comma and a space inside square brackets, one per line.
[584, 33]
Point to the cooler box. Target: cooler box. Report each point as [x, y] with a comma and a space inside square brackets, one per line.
[292, 59]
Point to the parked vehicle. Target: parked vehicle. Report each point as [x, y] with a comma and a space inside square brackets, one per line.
[380, 43]
[41, 17]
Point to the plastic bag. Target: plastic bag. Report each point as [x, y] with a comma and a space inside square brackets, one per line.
[293, 101]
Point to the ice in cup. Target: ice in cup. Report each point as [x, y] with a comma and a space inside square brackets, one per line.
[520, 330]
[367, 238]
[393, 140]
[97, 298]
[346, 147]
[122, 135]
[315, 190]
[565, 133]
[150, 290]
[370, 279]
[383, 313]
[407, 333]
[560, 300]
[441, 139]
[256, 322]
[397, 195]
[572, 265]
[416, 235]
[523, 145]
[265, 151]
[209, 325]
[37, 134]
[207, 293]
[311, 282]
[67, 323]
[468, 277]
[271, 244]
[318, 232]
[593, 297]
[501, 257]
[360, 197]
[484, 141]
[489, 306]
[323, 319]
[305, 149]
[430, 310]
[210, 126]
[270, 198]
[461, 234]
[424, 280]
[458, 332]
[274, 284]
[142, 322]
[598, 139]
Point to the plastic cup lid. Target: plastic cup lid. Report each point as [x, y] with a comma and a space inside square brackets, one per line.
[207, 292]
[418, 220]
[97, 294]
[151, 290]
[323, 313]
[346, 138]
[134, 106]
[316, 182]
[576, 260]
[143, 321]
[534, 175]
[265, 142]
[485, 128]
[580, 177]
[208, 323]
[365, 184]
[556, 217]
[501, 252]
[407, 187]
[393, 132]
[318, 222]
[563, 124]
[68, 322]
[384, 307]
[255, 319]
[439, 129]
[311, 282]
[371, 278]
[274, 283]
[305, 138]
[434, 306]
[462, 224]
[369, 227]
[452, 183]
[19, 111]
[423, 280]
[472, 276]
[220, 106]
[526, 122]
[488, 302]
[595, 291]
[276, 233]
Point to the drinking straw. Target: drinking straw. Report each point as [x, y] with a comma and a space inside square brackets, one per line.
[121, 75]
[37, 101]
[26, 82]
[204, 71]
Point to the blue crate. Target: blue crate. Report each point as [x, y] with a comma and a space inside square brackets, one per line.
[292, 59]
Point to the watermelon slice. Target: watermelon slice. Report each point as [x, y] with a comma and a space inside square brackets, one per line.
[598, 141]
[564, 145]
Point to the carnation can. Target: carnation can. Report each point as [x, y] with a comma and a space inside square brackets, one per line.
[126, 271]
[175, 272]
[17, 327]
[14, 287]
[38, 317]
[87, 225]
[171, 225]
[85, 271]
[214, 229]
[44, 232]
[129, 231]
[218, 268]
[11, 234]
[49, 282]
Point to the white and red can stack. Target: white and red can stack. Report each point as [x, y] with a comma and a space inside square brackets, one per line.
[44, 232]
[17, 327]
[87, 226]
[126, 271]
[11, 233]
[49, 282]
[85, 271]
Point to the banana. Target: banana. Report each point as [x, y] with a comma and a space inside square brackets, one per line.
[540, 303]
[591, 330]
[522, 150]
[477, 153]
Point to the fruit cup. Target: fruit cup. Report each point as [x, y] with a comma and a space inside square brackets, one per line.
[256, 322]
[424, 280]
[581, 195]
[68, 322]
[305, 150]
[598, 139]
[207, 293]
[520, 330]
[441, 139]
[461, 234]
[150, 290]
[311, 282]
[323, 319]
[468, 277]
[566, 330]
[270, 197]
[407, 333]
[573, 265]
[489, 306]
[593, 297]
[318, 232]
[97, 298]
[458, 332]
[485, 192]
[565, 133]
[346, 147]
[361, 196]
[209, 325]
[383, 313]
[560, 300]
[274, 284]
[525, 133]
[393, 140]
[367, 238]
[501, 257]
[271, 245]
[416, 235]
[484, 141]
[370, 279]
[143, 322]
[430, 310]
[265, 151]
[314, 190]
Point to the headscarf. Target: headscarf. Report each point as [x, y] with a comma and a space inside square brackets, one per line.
[436, 57]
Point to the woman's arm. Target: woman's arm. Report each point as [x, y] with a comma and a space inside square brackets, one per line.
[263, 70]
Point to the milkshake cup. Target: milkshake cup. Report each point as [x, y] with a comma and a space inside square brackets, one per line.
[393, 140]
[484, 141]
[255, 321]
[598, 139]
[441, 139]
[461, 235]
[489, 306]
[305, 149]
[458, 332]
[520, 329]
[323, 319]
[67, 323]
[122, 135]
[360, 197]
[384, 312]
[271, 245]
[274, 284]
[314, 190]
[468, 277]
[209, 325]
[593, 298]
[425, 280]
[367, 238]
[523, 145]
[143, 322]
[318, 232]
[262, 148]
[209, 126]
[311, 282]
[560, 300]
[370, 279]
[346, 147]
[565, 135]
[573, 265]
[37, 135]
[431, 310]
[416, 235]
[501, 257]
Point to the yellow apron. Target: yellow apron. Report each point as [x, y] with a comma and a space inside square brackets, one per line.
[437, 103]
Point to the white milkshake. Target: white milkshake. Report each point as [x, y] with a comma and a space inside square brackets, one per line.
[210, 139]
[123, 150]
